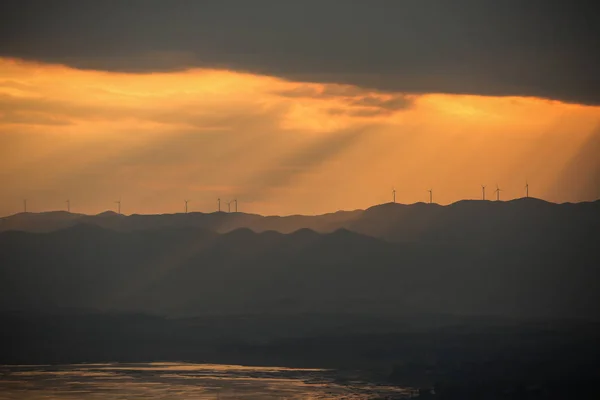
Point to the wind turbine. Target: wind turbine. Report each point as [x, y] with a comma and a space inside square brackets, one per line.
[68, 205]
[235, 201]
[526, 189]
[229, 206]
[118, 206]
[430, 196]
[394, 195]
[186, 204]
[483, 191]
[497, 191]
[219, 204]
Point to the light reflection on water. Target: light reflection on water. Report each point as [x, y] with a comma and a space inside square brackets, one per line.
[183, 381]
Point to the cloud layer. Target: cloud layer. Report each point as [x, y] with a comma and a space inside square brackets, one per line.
[487, 47]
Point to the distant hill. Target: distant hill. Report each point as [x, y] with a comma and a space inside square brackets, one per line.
[40, 222]
[464, 221]
[476, 221]
[189, 271]
[217, 221]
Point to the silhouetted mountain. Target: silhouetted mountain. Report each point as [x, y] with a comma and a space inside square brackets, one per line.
[472, 221]
[466, 298]
[39, 222]
[190, 271]
[476, 221]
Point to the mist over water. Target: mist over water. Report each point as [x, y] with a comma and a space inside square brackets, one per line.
[184, 381]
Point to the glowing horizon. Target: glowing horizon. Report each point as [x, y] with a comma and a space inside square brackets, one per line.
[280, 147]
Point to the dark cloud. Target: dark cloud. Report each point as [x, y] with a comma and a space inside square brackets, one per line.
[509, 47]
[361, 104]
[300, 92]
[392, 104]
[329, 91]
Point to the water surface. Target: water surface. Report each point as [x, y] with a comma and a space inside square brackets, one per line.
[185, 381]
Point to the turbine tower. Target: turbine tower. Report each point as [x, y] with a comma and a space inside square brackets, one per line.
[430, 196]
[483, 192]
[497, 191]
[118, 206]
[393, 195]
[186, 204]
[229, 206]
[526, 189]
[68, 205]
[235, 201]
[219, 204]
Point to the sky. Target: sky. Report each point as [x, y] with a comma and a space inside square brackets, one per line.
[295, 107]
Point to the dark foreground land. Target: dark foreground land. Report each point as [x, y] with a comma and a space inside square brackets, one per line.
[460, 358]
[393, 291]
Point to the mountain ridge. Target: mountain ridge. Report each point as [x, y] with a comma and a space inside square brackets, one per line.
[188, 271]
[391, 221]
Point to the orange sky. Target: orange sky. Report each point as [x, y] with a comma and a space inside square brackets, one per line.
[279, 147]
